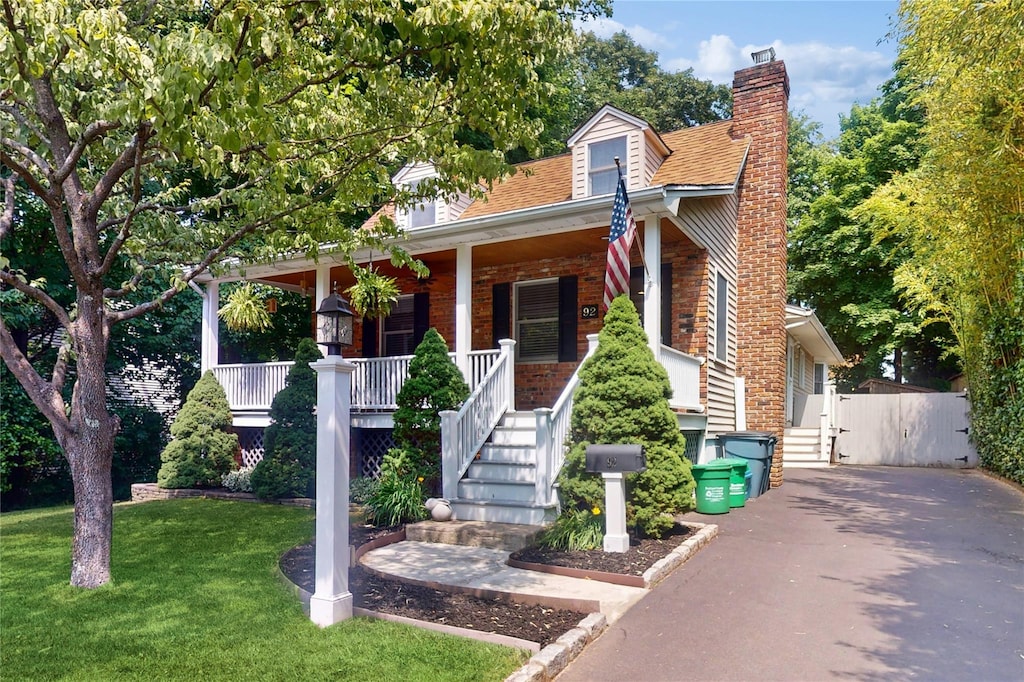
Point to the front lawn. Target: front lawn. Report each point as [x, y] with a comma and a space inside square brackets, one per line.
[196, 595]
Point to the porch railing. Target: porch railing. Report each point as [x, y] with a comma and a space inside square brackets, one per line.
[375, 382]
[684, 376]
[463, 433]
[552, 432]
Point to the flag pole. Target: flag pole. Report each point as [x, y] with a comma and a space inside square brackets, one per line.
[643, 260]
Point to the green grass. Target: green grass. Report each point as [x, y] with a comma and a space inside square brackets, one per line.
[196, 595]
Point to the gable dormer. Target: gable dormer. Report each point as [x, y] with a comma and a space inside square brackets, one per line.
[432, 211]
[608, 134]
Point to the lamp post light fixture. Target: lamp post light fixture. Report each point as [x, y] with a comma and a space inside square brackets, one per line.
[334, 323]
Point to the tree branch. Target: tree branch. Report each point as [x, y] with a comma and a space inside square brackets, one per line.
[15, 112]
[39, 296]
[44, 395]
[92, 132]
[7, 217]
[125, 161]
[27, 153]
[25, 174]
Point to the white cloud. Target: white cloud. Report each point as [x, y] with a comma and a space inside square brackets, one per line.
[606, 27]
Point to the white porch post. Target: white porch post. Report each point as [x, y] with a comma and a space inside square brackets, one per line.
[209, 335]
[331, 601]
[740, 397]
[652, 287]
[463, 306]
[321, 290]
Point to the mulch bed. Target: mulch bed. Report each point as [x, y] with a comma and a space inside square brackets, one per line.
[525, 621]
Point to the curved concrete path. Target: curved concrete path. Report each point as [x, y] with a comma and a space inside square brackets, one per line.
[841, 574]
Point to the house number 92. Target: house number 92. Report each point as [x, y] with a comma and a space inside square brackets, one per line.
[588, 312]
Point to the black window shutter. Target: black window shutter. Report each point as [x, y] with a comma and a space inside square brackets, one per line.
[567, 319]
[370, 337]
[666, 304]
[420, 316]
[501, 311]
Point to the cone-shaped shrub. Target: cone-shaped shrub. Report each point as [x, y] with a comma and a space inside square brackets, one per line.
[288, 467]
[434, 384]
[623, 398]
[202, 450]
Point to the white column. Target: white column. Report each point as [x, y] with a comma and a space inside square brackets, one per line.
[463, 306]
[321, 290]
[740, 398]
[652, 287]
[331, 601]
[616, 538]
[210, 333]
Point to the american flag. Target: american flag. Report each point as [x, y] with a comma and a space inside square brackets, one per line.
[620, 240]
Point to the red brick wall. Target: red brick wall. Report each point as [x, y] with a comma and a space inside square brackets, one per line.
[760, 105]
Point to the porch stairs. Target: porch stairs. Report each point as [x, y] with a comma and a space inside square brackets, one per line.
[803, 448]
[500, 485]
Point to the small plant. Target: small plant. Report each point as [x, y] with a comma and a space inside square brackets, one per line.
[239, 480]
[399, 495]
[202, 450]
[575, 530]
[288, 468]
[361, 489]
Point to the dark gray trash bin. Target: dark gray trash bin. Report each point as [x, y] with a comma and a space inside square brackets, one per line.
[757, 447]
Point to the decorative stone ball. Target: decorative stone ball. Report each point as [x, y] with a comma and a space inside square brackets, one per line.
[441, 511]
[430, 503]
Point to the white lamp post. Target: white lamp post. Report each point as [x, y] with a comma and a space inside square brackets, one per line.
[331, 601]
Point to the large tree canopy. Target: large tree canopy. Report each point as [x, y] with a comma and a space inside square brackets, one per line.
[187, 132]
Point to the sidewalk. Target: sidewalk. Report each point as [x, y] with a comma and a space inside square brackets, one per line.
[843, 573]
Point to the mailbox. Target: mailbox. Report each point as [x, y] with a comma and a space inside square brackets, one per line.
[615, 459]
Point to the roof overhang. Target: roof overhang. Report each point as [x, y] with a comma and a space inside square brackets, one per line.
[549, 219]
[805, 327]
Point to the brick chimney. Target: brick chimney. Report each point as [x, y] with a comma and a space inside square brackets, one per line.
[760, 110]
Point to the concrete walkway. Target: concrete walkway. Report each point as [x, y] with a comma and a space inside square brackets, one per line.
[484, 571]
[844, 573]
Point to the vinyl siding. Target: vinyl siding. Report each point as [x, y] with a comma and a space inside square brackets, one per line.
[607, 127]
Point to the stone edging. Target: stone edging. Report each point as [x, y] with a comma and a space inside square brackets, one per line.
[555, 657]
[144, 492]
[651, 576]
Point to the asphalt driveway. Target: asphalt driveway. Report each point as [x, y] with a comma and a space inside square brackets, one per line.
[852, 573]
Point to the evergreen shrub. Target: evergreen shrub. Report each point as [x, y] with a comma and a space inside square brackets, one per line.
[623, 398]
[434, 384]
[202, 449]
[288, 467]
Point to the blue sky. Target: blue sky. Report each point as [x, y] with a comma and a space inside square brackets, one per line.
[836, 51]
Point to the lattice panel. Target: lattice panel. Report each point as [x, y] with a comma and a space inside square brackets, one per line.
[692, 451]
[372, 445]
[251, 441]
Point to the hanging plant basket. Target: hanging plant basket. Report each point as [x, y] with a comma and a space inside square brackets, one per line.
[245, 310]
[373, 294]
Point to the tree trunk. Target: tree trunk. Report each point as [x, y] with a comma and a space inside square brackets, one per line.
[89, 447]
[897, 365]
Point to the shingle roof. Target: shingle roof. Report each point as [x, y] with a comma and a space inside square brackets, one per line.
[701, 156]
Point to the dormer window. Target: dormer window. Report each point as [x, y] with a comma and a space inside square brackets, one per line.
[423, 214]
[603, 174]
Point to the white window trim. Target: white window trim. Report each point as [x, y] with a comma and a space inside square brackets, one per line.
[714, 317]
[515, 320]
[623, 160]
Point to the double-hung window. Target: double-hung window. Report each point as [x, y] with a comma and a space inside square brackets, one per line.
[536, 321]
[603, 176]
[421, 215]
[397, 329]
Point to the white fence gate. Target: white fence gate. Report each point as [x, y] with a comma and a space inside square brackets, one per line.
[905, 429]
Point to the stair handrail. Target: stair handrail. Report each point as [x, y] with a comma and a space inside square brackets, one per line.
[552, 432]
[464, 432]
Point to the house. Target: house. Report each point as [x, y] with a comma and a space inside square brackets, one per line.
[515, 287]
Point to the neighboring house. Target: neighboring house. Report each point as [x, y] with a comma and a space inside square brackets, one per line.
[885, 386]
[527, 263]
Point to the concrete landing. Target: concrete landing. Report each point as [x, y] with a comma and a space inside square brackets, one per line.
[510, 537]
[482, 571]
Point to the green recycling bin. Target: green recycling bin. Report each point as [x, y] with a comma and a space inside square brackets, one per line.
[712, 486]
[737, 481]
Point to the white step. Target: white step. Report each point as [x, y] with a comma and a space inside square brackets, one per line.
[504, 512]
[505, 491]
[482, 469]
[509, 453]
